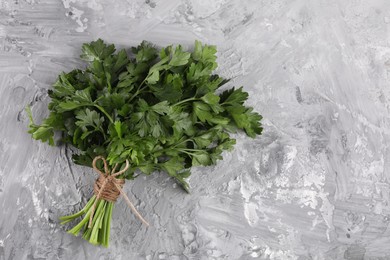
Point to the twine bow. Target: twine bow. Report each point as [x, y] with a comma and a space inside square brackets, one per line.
[108, 187]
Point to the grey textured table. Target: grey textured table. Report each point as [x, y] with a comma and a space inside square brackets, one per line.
[315, 185]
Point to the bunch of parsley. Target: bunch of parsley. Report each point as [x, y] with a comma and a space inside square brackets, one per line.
[161, 110]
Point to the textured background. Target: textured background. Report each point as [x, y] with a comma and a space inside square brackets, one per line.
[315, 185]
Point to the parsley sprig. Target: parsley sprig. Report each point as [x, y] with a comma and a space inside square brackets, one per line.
[160, 109]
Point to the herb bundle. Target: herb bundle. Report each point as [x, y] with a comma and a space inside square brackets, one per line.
[140, 113]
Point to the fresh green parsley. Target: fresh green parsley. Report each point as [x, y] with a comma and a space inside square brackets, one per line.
[163, 110]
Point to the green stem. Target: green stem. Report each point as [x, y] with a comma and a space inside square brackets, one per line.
[99, 232]
[139, 90]
[104, 112]
[76, 229]
[193, 150]
[66, 219]
[174, 146]
[188, 151]
[109, 222]
[184, 101]
[104, 230]
[97, 219]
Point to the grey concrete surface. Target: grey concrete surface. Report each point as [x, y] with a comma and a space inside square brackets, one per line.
[315, 185]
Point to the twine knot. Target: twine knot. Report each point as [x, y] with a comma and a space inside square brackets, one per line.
[110, 192]
[108, 187]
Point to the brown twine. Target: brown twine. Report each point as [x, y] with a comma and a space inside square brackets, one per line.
[109, 188]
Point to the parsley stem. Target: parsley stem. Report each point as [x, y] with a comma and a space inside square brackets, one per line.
[192, 150]
[137, 92]
[187, 152]
[139, 89]
[184, 101]
[104, 112]
[174, 146]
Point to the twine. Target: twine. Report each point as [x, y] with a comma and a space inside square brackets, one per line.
[108, 187]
